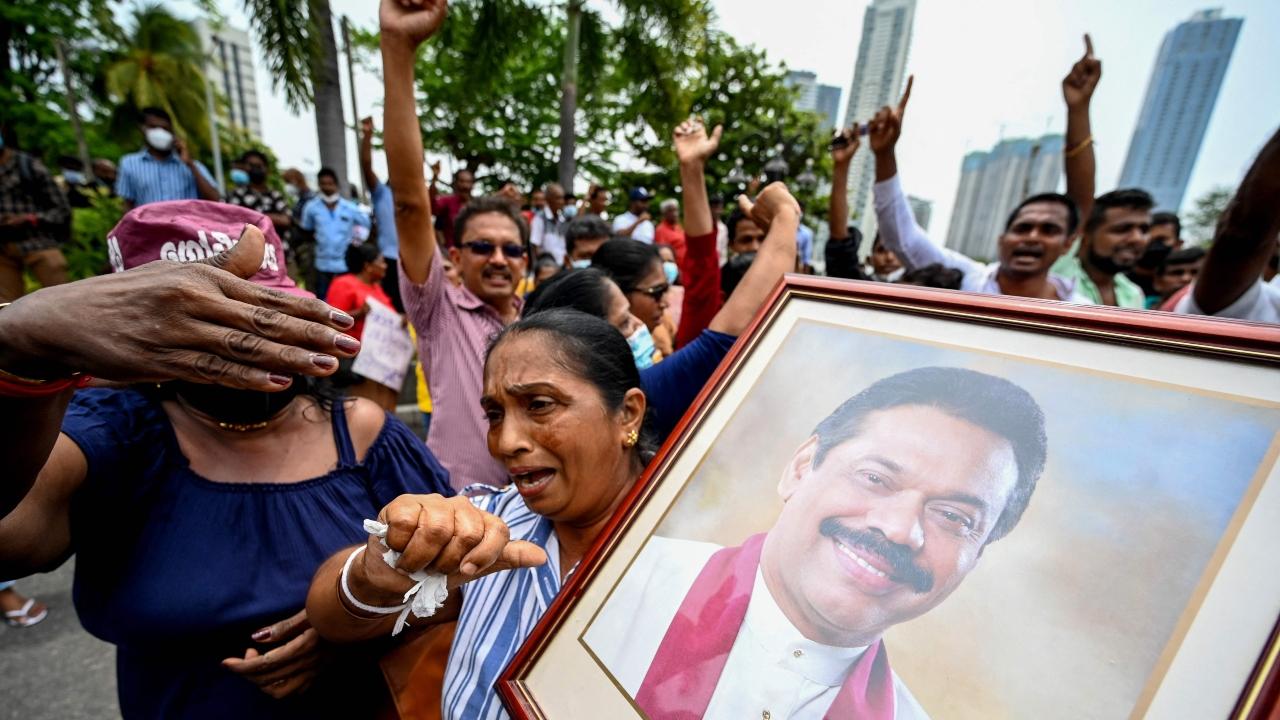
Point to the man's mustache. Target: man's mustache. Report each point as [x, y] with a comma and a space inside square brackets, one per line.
[899, 557]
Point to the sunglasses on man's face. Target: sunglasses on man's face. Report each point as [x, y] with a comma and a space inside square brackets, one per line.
[656, 292]
[484, 248]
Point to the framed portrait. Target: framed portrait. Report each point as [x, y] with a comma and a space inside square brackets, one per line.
[894, 502]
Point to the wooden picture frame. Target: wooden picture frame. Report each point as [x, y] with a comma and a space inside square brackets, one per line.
[1209, 643]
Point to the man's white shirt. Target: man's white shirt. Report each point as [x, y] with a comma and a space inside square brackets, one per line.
[643, 232]
[1260, 303]
[771, 667]
[547, 233]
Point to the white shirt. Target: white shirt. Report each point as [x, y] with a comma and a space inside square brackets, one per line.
[1260, 303]
[904, 236]
[643, 231]
[771, 666]
[547, 234]
[722, 241]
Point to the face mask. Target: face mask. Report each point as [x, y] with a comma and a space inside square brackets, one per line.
[239, 177]
[672, 271]
[570, 212]
[159, 138]
[581, 264]
[331, 198]
[238, 407]
[642, 348]
[73, 177]
[257, 176]
[292, 191]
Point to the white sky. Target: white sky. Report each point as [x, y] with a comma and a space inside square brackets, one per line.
[984, 68]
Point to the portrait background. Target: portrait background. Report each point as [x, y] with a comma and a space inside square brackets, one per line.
[1141, 481]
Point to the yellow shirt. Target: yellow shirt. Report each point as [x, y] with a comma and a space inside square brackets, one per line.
[424, 392]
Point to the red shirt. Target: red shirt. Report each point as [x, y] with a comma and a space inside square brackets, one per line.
[348, 293]
[447, 207]
[700, 273]
[672, 235]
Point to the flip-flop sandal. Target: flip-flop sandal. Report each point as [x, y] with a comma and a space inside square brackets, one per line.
[24, 618]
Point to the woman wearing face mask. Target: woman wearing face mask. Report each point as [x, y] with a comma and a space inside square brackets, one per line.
[675, 291]
[198, 513]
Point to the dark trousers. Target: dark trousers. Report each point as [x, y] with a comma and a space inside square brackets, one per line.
[391, 284]
[321, 285]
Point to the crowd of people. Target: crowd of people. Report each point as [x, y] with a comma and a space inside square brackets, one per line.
[215, 496]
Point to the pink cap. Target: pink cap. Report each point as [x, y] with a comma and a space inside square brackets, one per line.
[192, 230]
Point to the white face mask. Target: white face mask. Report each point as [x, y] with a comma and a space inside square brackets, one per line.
[642, 347]
[159, 138]
[331, 199]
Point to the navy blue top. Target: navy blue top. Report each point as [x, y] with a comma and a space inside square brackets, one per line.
[178, 571]
[672, 385]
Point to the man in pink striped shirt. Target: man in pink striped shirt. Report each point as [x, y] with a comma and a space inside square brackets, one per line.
[454, 324]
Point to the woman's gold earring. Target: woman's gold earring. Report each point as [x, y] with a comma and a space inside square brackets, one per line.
[633, 437]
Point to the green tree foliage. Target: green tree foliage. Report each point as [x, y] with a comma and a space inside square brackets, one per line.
[86, 251]
[161, 64]
[1198, 226]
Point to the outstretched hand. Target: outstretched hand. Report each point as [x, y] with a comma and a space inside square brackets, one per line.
[412, 21]
[1079, 84]
[692, 142]
[366, 127]
[886, 126]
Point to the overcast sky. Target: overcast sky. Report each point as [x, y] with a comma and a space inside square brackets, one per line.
[984, 69]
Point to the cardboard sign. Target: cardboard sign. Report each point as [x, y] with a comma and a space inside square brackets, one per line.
[386, 347]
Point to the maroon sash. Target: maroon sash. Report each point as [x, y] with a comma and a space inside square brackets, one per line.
[687, 667]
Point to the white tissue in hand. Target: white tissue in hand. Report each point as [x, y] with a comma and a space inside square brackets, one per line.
[425, 597]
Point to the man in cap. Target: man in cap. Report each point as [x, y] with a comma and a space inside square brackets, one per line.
[635, 223]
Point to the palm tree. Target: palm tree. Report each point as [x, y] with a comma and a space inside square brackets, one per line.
[301, 52]
[160, 65]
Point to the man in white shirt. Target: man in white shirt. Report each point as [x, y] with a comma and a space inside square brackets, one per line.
[887, 507]
[1230, 283]
[547, 230]
[635, 223]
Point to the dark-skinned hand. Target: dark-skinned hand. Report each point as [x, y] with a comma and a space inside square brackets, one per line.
[291, 665]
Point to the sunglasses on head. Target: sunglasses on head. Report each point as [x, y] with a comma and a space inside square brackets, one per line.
[485, 248]
[656, 292]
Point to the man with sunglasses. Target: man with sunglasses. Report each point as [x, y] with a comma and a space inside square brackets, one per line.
[454, 323]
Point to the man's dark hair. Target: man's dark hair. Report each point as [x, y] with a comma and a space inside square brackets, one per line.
[327, 172]
[1168, 218]
[154, 112]
[244, 157]
[1182, 257]
[1073, 212]
[589, 348]
[989, 402]
[627, 261]
[1127, 198]
[545, 259]
[357, 256]
[934, 275]
[585, 227]
[733, 272]
[735, 217]
[490, 204]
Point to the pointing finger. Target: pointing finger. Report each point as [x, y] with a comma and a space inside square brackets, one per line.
[906, 95]
[1088, 46]
[715, 134]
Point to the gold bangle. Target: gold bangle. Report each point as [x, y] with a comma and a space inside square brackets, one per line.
[1079, 148]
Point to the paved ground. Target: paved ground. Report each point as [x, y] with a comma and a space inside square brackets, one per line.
[55, 670]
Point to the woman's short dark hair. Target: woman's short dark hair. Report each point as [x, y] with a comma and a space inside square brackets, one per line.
[490, 204]
[989, 402]
[584, 290]
[358, 256]
[591, 349]
[627, 261]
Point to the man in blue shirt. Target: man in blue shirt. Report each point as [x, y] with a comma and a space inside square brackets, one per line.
[163, 169]
[332, 218]
[384, 213]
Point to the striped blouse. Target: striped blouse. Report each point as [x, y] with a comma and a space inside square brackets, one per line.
[498, 613]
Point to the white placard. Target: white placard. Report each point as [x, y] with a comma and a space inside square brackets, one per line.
[385, 347]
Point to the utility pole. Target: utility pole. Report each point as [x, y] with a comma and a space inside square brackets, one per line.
[69, 86]
[355, 113]
[215, 144]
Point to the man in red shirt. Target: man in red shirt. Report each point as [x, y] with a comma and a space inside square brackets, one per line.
[447, 207]
[669, 231]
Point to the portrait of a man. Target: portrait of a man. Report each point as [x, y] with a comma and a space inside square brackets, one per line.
[886, 507]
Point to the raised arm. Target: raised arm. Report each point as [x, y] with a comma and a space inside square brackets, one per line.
[777, 211]
[693, 147]
[700, 266]
[843, 149]
[405, 26]
[1245, 236]
[366, 154]
[1077, 156]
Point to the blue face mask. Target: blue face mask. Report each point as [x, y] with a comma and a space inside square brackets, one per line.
[570, 212]
[672, 270]
[73, 177]
[239, 177]
[581, 264]
[642, 347]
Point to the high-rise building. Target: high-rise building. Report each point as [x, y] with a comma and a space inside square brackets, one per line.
[232, 73]
[814, 97]
[878, 79]
[1175, 112]
[993, 183]
[922, 210]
